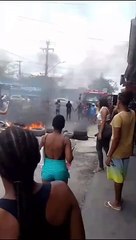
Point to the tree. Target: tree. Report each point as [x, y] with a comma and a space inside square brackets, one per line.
[4, 61]
[102, 83]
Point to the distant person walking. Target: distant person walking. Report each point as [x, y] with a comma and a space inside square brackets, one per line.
[79, 110]
[58, 107]
[92, 113]
[4, 106]
[121, 147]
[104, 131]
[68, 110]
[57, 150]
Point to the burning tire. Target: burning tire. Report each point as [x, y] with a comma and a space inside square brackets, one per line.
[80, 135]
[38, 132]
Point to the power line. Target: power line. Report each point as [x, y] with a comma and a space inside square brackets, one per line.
[46, 22]
[41, 21]
[21, 57]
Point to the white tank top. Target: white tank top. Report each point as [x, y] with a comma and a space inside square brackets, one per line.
[99, 116]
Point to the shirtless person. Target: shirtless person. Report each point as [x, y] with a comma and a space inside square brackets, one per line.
[57, 150]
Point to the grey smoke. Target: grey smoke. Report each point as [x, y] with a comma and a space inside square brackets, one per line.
[111, 65]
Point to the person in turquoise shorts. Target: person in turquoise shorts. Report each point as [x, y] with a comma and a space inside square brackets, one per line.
[57, 151]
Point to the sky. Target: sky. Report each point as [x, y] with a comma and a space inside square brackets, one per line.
[73, 27]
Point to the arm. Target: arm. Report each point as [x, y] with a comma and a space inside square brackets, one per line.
[69, 209]
[68, 151]
[42, 142]
[72, 107]
[104, 113]
[9, 227]
[115, 139]
[76, 223]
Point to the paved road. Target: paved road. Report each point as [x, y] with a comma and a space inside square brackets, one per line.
[104, 223]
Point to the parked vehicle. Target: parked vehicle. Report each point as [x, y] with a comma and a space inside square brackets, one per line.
[17, 98]
[63, 101]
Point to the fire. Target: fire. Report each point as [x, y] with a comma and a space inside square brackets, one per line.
[36, 125]
[8, 124]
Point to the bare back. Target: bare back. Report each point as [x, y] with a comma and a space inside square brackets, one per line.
[57, 146]
[54, 145]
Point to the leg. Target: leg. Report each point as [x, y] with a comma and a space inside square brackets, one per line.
[70, 116]
[118, 194]
[105, 143]
[67, 116]
[100, 153]
[117, 173]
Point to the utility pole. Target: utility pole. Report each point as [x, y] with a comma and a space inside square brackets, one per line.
[46, 51]
[19, 69]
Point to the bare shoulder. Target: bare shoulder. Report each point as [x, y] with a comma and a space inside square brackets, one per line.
[9, 227]
[60, 187]
[60, 203]
[67, 140]
[62, 191]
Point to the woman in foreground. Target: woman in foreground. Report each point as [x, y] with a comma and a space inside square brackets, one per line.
[104, 131]
[30, 210]
[57, 150]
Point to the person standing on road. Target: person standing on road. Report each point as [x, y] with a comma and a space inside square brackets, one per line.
[58, 107]
[69, 108]
[30, 210]
[92, 113]
[121, 147]
[4, 107]
[104, 132]
[79, 110]
[57, 150]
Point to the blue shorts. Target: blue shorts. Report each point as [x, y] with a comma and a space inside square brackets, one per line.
[118, 170]
[53, 170]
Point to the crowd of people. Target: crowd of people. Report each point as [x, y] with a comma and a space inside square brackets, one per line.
[31, 210]
[90, 112]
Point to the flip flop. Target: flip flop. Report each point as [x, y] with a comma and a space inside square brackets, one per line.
[98, 170]
[109, 205]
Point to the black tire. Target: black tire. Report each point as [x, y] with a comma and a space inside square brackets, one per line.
[38, 133]
[49, 130]
[80, 135]
[68, 134]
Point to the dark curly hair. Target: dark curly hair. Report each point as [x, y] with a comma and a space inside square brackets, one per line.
[125, 98]
[103, 102]
[19, 156]
[58, 123]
